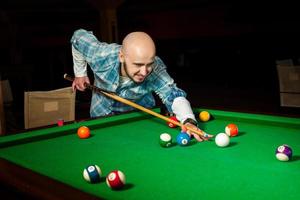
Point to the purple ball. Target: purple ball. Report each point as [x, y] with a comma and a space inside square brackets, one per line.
[284, 152]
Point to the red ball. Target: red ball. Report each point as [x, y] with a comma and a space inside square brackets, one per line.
[115, 179]
[83, 132]
[60, 122]
[231, 130]
[170, 124]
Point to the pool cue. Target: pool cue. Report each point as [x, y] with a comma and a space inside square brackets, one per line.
[132, 104]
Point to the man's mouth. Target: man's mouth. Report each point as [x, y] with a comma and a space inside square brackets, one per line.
[139, 77]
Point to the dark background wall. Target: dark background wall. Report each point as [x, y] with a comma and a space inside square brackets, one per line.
[222, 53]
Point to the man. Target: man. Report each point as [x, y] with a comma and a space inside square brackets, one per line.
[131, 70]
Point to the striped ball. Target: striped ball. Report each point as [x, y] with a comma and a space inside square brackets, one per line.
[115, 179]
[92, 174]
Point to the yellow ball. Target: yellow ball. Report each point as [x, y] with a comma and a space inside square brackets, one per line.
[204, 116]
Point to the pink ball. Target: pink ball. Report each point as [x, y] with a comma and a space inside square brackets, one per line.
[115, 179]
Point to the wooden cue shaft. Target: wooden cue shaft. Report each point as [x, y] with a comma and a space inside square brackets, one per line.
[130, 103]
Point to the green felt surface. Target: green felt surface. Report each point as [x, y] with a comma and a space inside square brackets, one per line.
[246, 169]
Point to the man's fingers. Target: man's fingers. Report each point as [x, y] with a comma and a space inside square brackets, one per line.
[74, 86]
[197, 137]
[79, 87]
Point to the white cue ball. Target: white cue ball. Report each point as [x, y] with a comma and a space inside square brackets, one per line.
[222, 140]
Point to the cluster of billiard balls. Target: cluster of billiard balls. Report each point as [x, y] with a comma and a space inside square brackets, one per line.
[221, 139]
[115, 179]
[183, 139]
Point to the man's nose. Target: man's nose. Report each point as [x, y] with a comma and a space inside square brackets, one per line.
[144, 70]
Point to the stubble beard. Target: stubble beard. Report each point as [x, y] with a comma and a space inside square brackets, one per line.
[129, 76]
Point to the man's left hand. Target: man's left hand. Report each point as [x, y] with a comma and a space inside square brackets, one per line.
[198, 137]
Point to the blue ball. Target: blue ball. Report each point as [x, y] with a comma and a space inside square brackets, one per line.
[92, 173]
[183, 139]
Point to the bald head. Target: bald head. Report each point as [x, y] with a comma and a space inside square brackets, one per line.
[138, 44]
[137, 56]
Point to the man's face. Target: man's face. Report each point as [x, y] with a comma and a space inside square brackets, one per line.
[137, 68]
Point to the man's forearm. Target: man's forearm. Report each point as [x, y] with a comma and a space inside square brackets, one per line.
[182, 109]
[79, 63]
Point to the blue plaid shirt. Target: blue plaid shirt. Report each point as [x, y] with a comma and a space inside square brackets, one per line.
[104, 61]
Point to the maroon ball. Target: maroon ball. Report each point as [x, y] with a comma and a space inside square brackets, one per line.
[115, 179]
[284, 152]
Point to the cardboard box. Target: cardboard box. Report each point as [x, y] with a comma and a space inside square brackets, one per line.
[289, 85]
[43, 108]
[290, 100]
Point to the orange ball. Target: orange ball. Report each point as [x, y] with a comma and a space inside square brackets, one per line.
[83, 132]
[231, 130]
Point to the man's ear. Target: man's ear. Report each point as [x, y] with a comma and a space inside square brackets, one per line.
[121, 56]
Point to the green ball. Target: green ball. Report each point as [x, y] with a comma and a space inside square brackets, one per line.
[165, 140]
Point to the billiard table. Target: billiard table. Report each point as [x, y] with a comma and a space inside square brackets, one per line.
[47, 163]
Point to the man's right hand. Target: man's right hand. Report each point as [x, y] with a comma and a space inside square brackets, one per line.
[79, 83]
